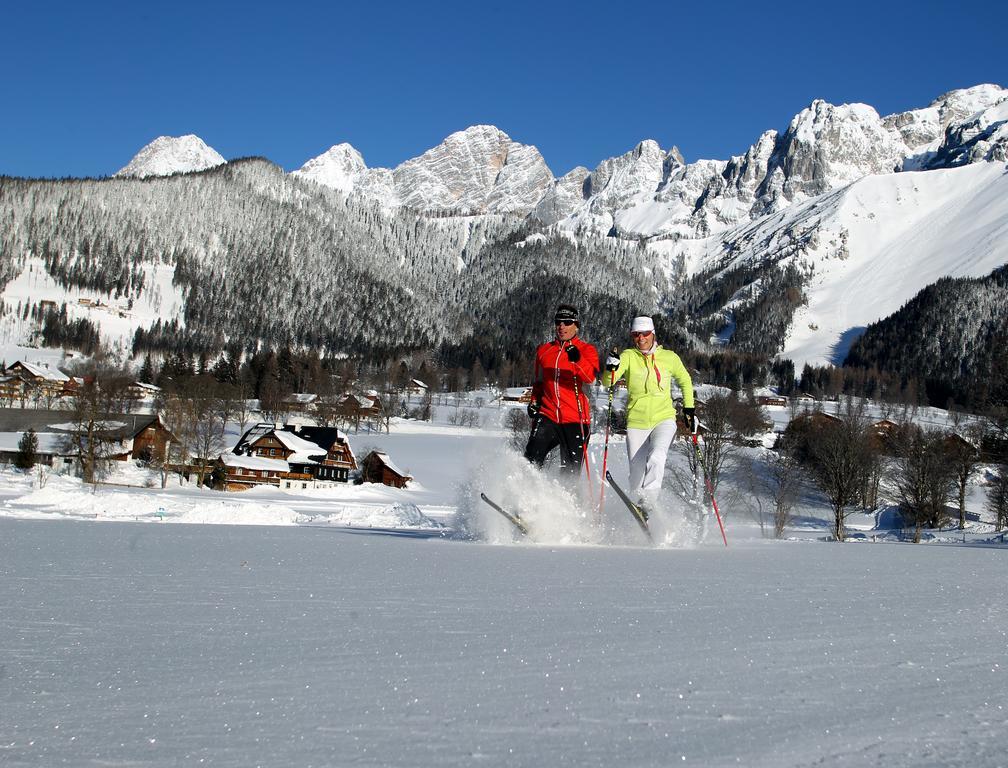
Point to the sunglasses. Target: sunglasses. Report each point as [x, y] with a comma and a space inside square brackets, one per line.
[565, 322]
[635, 334]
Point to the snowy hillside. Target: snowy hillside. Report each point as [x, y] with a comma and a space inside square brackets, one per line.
[869, 248]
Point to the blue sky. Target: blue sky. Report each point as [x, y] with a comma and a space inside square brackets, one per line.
[86, 85]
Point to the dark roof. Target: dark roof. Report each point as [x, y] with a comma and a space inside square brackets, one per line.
[20, 419]
[252, 434]
[325, 437]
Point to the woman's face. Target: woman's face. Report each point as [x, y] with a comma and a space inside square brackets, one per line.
[643, 339]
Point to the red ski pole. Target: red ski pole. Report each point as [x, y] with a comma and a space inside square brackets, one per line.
[584, 441]
[710, 489]
[605, 450]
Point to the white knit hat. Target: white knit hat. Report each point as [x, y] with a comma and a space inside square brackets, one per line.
[642, 323]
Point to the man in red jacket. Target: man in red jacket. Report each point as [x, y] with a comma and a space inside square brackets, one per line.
[559, 409]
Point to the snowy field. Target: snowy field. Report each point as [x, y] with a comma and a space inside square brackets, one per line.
[366, 625]
[177, 645]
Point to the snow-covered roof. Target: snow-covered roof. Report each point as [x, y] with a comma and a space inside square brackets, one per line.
[48, 442]
[71, 426]
[390, 464]
[301, 398]
[294, 443]
[302, 457]
[42, 371]
[254, 462]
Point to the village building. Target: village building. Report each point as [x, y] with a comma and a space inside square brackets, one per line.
[306, 456]
[242, 472]
[53, 450]
[48, 380]
[140, 390]
[299, 402]
[143, 438]
[774, 400]
[377, 467]
[517, 395]
[12, 388]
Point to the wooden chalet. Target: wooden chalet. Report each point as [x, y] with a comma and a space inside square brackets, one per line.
[377, 467]
[242, 472]
[140, 390]
[48, 380]
[517, 395]
[298, 402]
[302, 456]
[771, 400]
[143, 438]
[12, 387]
[351, 405]
[339, 460]
[816, 418]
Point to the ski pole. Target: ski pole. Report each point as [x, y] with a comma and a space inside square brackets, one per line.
[605, 450]
[710, 489]
[584, 442]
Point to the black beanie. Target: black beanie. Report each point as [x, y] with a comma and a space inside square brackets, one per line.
[566, 312]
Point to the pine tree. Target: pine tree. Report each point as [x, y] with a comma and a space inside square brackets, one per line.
[27, 453]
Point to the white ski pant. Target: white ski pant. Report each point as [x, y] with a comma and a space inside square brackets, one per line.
[647, 449]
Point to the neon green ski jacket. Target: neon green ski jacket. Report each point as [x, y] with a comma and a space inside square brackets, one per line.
[649, 383]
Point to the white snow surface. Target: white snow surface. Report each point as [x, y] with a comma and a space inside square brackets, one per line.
[339, 626]
[183, 645]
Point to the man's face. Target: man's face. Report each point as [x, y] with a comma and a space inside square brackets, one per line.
[565, 330]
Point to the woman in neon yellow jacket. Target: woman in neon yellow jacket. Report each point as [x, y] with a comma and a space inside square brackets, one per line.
[651, 417]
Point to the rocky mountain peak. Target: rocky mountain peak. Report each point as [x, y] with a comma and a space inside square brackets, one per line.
[479, 169]
[340, 167]
[827, 146]
[172, 154]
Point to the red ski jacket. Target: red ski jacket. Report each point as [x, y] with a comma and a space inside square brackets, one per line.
[555, 378]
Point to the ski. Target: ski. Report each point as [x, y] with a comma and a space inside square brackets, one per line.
[515, 519]
[638, 514]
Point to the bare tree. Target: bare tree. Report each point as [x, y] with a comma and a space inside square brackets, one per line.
[963, 451]
[517, 423]
[923, 478]
[716, 446]
[784, 480]
[208, 440]
[836, 450]
[91, 438]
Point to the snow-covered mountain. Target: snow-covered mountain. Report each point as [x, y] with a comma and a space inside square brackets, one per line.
[866, 248]
[340, 167]
[479, 170]
[650, 192]
[172, 154]
[848, 212]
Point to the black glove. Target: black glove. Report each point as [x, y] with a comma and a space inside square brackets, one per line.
[611, 363]
[690, 415]
[573, 353]
[533, 409]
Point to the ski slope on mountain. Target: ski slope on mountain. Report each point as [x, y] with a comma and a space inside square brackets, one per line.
[871, 247]
[904, 231]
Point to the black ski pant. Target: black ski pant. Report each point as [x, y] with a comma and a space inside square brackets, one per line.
[547, 435]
